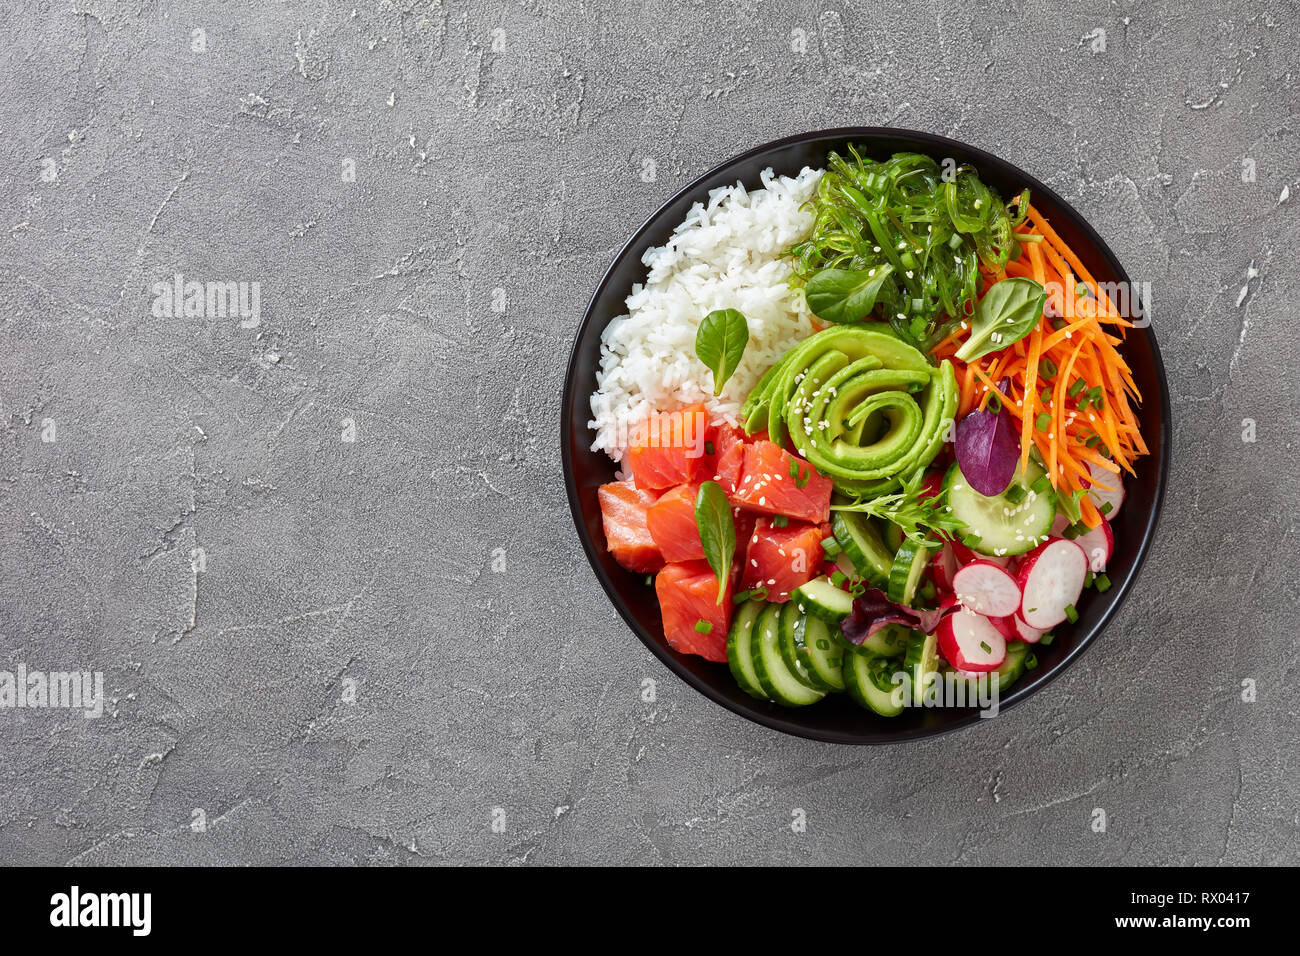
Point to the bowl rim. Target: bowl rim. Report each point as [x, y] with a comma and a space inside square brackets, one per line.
[773, 719]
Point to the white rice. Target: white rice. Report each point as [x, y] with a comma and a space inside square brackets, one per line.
[725, 255]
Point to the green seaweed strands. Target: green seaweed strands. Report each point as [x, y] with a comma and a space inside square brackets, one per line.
[927, 228]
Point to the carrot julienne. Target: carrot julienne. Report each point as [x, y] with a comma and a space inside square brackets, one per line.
[1068, 367]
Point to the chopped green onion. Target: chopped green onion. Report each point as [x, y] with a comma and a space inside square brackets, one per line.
[1071, 614]
[1031, 662]
[1015, 494]
[1041, 485]
[831, 548]
[1106, 508]
[708, 448]
[1078, 386]
[1046, 639]
[985, 647]
[1047, 368]
[780, 521]
[838, 578]
[1102, 582]
[703, 627]
[1043, 421]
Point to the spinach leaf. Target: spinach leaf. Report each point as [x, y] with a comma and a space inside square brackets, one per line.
[720, 344]
[1008, 312]
[845, 295]
[717, 531]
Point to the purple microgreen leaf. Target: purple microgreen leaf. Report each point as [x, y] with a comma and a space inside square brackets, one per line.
[988, 450]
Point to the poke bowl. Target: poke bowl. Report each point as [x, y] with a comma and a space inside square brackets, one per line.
[865, 434]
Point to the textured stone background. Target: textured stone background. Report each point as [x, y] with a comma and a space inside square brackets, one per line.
[332, 565]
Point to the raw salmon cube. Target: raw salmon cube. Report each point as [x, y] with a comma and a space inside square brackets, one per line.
[669, 448]
[623, 509]
[694, 623]
[781, 559]
[770, 482]
[672, 525]
[723, 463]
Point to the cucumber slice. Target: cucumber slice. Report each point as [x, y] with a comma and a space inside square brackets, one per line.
[890, 641]
[1007, 674]
[910, 563]
[778, 683]
[1002, 526]
[893, 536]
[1013, 666]
[859, 539]
[739, 655]
[792, 651]
[921, 661]
[820, 598]
[825, 649]
[869, 681]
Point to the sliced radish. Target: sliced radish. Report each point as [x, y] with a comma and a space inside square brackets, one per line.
[985, 587]
[1112, 495]
[1030, 635]
[845, 566]
[1098, 544]
[1006, 626]
[944, 566]
[1051, 579]
[969, 642]
[1059, 525]
[965, 555]
[932, 484]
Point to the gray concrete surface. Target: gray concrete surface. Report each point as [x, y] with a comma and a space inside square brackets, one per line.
[347, 678]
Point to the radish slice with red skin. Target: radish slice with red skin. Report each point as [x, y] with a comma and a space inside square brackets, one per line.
[845, 567]
[1006, 626]
[933, 483]
[965, 555]
[969, 642]
[986, 588]
[944, 565]
[1030, 635]
[1098, 544]
[1051, 579]
[1112, 495]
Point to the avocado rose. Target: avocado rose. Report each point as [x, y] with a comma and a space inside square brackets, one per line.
[862, 406]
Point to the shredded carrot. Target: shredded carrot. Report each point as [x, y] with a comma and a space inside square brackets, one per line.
[1031, 395]
[1090, 399]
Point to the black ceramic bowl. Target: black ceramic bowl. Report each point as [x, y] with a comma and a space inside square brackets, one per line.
[837, 718]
